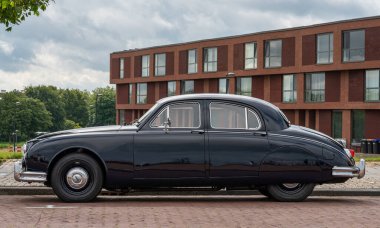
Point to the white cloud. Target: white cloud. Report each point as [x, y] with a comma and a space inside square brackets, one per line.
[6, 48]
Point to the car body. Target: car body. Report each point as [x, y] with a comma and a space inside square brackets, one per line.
[216, 140]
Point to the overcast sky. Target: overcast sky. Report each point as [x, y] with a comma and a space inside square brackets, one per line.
[68, 46]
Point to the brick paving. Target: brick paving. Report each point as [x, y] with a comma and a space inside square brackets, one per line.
[370, 181]
[184, 211]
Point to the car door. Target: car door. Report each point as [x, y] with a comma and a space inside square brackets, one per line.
[237, 140]
[172, 149]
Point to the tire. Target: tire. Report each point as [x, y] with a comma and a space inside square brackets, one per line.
[290, 192]
[69, 182]
[264, 191]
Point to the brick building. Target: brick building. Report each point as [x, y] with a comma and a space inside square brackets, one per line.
[323, 76]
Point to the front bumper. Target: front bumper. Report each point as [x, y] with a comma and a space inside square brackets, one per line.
[350, 172]
[21, 175]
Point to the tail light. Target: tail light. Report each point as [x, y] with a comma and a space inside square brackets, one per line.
[352, 152]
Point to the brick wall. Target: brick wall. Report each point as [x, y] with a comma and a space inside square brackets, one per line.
[288, 51]
[356, 85]
[308, 50]
[332, 83]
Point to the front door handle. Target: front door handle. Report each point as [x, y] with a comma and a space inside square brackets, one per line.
[197, 131]
[260, 133]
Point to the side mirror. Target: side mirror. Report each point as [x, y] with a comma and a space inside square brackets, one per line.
[167, 124]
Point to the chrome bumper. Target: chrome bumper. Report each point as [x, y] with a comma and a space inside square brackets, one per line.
[24, 176]
[356, 171]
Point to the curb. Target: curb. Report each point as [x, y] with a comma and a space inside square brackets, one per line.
[316, 192]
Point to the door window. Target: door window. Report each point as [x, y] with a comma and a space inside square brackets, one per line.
[228, 116]
[183, 115]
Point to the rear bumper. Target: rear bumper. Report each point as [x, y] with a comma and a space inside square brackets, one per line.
[350, 172]
[26, 176]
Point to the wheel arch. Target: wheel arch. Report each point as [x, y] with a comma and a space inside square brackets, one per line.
[76, 149]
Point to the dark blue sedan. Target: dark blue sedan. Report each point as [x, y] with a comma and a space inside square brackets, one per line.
[203, 140]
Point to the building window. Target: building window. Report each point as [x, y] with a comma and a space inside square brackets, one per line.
[130, 93]
[315, 87]
[289, 88]
[187, 87]
[357, 124]
[192, 66]
[353, 46]
[325, 48]
[145, 66]
[273, 52]
[121, 74]
[160, 64]
[171, 88]
[372, 85]
[337, 124]
[250, 56]
[141, 93]
[223, 83]
[244, 86]
[210, 59]
[121, 116]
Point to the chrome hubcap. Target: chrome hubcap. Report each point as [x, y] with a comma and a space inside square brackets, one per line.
[77, 177]
[291, 185]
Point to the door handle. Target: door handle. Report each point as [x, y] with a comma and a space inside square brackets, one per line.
[197, 131]
[260, 133]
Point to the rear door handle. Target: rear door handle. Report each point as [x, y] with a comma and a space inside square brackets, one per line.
[260, 133]
[197, 131]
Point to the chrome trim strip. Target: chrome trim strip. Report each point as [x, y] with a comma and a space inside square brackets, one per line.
[355, 171]
[21, 175]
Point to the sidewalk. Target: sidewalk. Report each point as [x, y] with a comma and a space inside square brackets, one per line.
[367, 186]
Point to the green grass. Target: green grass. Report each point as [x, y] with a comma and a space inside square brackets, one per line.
[367, 157]
[10, 155]
[5, 145]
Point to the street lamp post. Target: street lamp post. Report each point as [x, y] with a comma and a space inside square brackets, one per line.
[229, 75]
[14, 128]
[96, 108]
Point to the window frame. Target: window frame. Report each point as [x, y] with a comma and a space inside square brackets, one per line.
[310, 90]
[121, 68]
[192, 64]
[122, 111]
[330, 48]
[183, 86]
[130, 88]
[294, 88]
[372, 88]
[238, 85]
[158, 67]
[145, 68]
[138, 90]
[254, 57]
[175, 88]
[246, 110]
[176, 103]
[206, 62]
[226, 82]
[269, 57]
[349, 49]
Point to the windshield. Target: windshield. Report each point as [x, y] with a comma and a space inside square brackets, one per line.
[145, 115]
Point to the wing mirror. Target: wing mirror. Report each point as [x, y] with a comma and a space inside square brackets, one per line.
[167, 124]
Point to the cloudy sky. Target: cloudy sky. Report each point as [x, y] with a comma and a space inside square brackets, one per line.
[68, 46]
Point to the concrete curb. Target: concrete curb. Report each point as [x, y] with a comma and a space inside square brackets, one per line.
[316, 192]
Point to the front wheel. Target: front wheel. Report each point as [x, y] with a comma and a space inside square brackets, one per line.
[77, 178]
[290, 192]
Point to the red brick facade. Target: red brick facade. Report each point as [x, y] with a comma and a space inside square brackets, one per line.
[344, 81]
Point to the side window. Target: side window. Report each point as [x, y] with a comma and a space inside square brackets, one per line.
[183, 115]
[228, 116]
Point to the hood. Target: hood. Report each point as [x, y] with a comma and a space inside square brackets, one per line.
[305, 132]
[87, 130]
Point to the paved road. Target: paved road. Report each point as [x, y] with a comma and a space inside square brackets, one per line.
[189, 211]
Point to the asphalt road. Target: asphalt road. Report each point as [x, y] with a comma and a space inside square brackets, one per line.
[189, 211]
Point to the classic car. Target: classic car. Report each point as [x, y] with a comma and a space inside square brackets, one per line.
[208, 141]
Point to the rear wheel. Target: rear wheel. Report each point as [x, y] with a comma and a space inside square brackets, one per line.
[77, 178]
[290, 192]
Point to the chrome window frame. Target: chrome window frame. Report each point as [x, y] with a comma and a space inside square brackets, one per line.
[167, 116]
[246, 110]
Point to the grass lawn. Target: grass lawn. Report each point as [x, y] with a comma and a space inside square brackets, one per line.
[367, 157]
[9, 155]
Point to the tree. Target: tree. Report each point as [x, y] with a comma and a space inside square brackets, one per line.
[13, 12]
[69, 124]
[52, 99]
[75, 105]
[26, 114]
[103, 111]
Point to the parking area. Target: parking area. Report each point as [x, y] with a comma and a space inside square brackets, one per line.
[189, 211]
